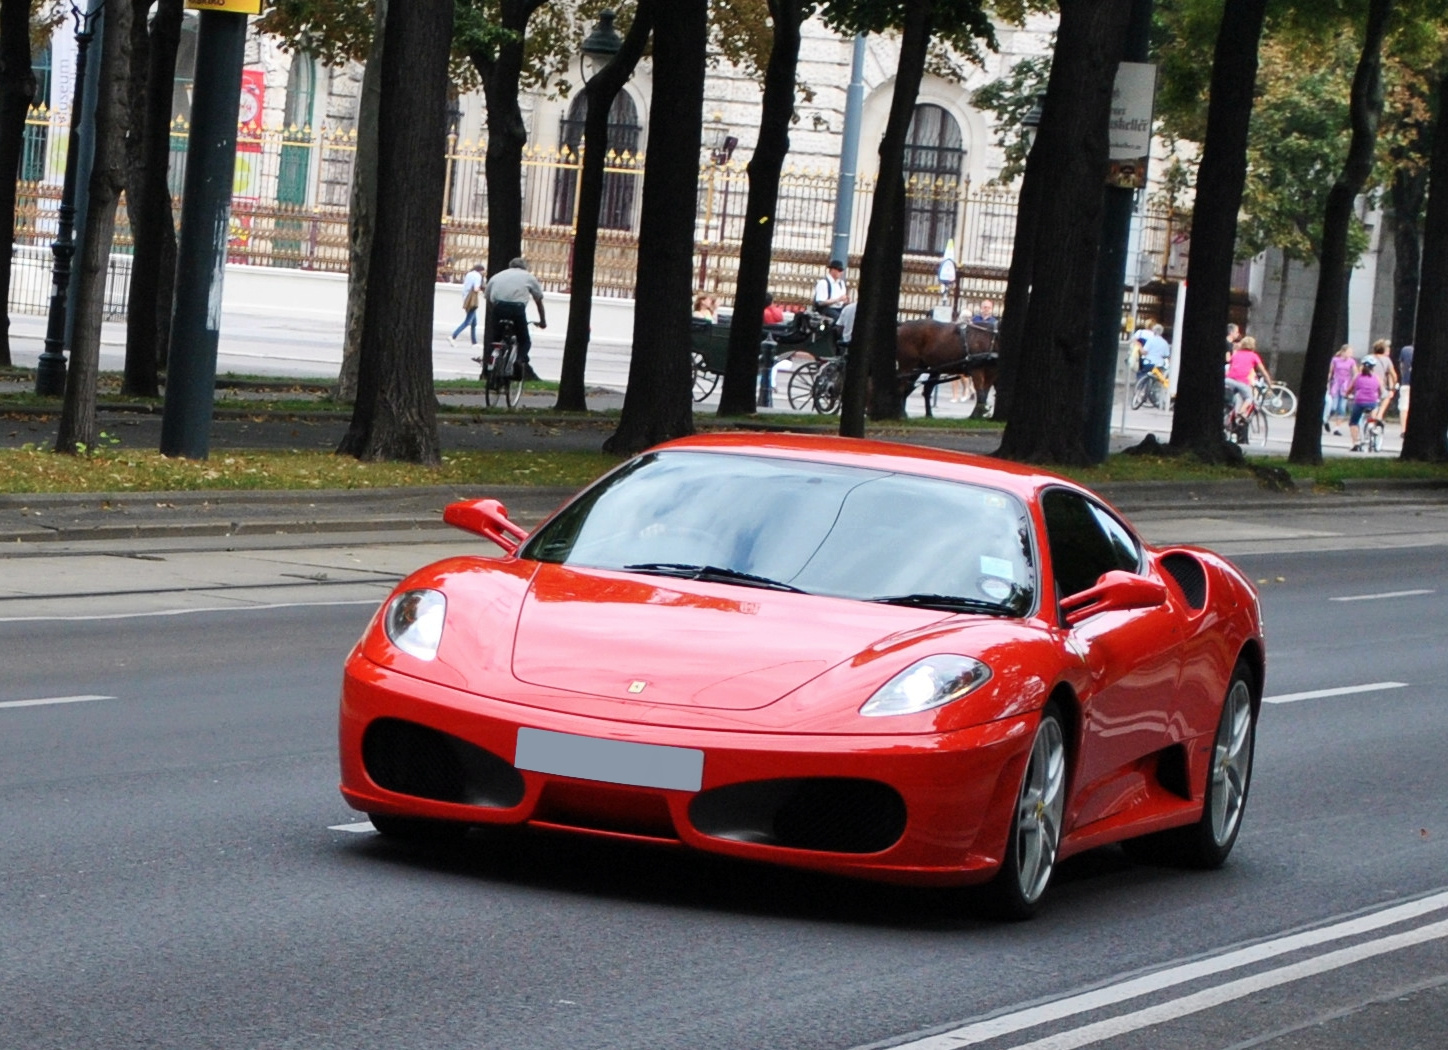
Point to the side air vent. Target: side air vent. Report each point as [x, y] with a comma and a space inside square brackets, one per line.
[1189, 575]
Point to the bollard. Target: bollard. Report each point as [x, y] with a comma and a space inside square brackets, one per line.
[766, 371]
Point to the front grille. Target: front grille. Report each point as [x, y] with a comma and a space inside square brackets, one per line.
[412, 759]
[826, 814]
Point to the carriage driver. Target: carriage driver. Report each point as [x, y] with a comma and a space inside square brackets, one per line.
[830, 292]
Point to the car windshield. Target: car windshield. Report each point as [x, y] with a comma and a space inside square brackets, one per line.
[844, 531]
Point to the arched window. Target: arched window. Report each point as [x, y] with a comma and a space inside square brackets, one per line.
[616, 210]
[296, 130]
[934, 159]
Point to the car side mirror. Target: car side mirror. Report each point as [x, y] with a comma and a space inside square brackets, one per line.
[487, 518]
[1116, 589]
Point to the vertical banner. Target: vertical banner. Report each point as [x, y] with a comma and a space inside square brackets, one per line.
[246, 185]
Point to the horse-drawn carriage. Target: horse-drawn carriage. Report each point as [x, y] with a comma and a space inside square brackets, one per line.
[808, 338]
[936, 351]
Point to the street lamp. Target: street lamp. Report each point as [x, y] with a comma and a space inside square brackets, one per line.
[1031, 122]
[50, 369]
[599, 46]
[717, 140]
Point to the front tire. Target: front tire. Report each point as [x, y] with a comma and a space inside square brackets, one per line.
[1035, 836]
[417, 830]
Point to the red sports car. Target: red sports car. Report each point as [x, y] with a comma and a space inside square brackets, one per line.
[859, 657]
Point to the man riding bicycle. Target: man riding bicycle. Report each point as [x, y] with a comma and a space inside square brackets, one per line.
[1152, 349]
[509, 293]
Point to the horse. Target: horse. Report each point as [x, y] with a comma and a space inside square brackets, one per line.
[941, 351]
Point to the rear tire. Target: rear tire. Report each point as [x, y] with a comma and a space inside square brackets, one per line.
[513, 378]
[1207, 843]
[1030, 855]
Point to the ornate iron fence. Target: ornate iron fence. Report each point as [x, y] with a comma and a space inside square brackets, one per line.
[292, 187]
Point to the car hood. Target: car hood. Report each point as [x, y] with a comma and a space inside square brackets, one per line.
[688, 643]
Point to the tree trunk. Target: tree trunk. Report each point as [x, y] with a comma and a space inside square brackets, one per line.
[752, 285]
[1197, 421]
[1331, 302]
[872, 349]
[1046, 422]
[1016, 303]
[1410, 190]
[17, 93]
[153, 228]
[362, 210]
[507, 134]
[600, 91]
[1428, 421]
[658, 403]
[78, 427]
[395, 416]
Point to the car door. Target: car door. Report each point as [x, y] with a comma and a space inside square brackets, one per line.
[1133, 657]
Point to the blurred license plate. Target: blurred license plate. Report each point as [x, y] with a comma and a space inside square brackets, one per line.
[610, 761]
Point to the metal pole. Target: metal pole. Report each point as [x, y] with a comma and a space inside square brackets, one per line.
[205, 230]
[849, 155]
[50, 369]
[1111, 278]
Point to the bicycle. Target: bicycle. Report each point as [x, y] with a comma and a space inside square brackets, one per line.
[1248, 426]
[503, 372]
[1150, 386]
[1276, 400]
[1372, 434]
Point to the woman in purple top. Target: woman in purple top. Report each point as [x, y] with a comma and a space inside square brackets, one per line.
[1365, 393]
[1339, 381]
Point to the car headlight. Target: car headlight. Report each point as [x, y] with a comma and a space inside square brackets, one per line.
[413, 622]
[929, 683]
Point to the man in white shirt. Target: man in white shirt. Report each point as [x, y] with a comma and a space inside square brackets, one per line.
[831, 294]
[509, 293]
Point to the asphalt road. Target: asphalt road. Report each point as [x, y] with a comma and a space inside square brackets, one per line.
[174, 874]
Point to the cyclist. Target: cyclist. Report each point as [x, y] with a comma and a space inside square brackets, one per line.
[1153, 349]
[1366, 392]
[509, 293]
[1241, 367]
[1381, 362]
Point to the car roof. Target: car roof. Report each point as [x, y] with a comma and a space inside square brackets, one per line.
[1024, 480]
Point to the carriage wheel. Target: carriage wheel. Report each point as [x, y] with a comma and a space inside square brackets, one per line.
[828, 388]
[801, 385]
[704, 380]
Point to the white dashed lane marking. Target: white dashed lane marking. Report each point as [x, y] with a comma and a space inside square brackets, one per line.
[45, 701]
[359, 828]
[1376, 597]
[1344, 690]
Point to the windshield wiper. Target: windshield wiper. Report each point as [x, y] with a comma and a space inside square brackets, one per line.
[948, 603]
[711, 574]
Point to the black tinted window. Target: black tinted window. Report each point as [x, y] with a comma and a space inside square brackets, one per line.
[1086, 541]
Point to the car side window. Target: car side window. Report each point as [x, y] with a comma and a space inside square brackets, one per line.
[1085, 541]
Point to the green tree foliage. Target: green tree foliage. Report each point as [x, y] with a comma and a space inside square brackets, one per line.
[1011, 99]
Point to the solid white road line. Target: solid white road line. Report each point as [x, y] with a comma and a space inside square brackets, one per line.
[1239, 989]
[1375, 597]
[46, 700]
[1318, 694]
[185, 612]
[359, 828]
[1020, 1020]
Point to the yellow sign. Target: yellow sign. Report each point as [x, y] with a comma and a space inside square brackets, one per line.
[236, 7]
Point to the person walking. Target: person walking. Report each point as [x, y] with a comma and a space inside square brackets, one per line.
[1381, 362]
[1405, 381]
[472, 293]
[1341, 371]
[509, 292]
